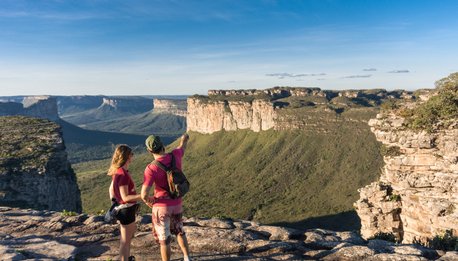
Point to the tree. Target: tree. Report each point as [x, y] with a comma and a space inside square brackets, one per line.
[449, 83]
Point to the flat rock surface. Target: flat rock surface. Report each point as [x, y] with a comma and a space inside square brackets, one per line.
[40, 235]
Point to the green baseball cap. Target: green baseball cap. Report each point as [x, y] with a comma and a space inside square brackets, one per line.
[153, 143]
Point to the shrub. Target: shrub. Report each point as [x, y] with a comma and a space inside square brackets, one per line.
[446, 242]
[441, 108]
[66, 213]
[395, 197]
[390, 151]
[385, 236]
[390, 104]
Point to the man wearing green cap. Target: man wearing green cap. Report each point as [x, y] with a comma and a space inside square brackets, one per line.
[166, 211]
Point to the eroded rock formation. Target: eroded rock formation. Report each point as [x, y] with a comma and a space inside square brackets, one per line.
[34, 171]
[132, 104]
[34, 106]
[280, 108]
[416, 197]
[27, 234]
[208, 116]
[176, 107]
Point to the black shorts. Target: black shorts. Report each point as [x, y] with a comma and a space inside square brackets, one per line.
[127, 215]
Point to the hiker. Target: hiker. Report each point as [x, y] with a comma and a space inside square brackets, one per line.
[122, 190]
[166, 212]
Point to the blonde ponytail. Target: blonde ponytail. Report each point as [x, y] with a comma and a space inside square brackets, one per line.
[120, 157]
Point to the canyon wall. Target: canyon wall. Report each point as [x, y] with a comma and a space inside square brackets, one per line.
[34, 106]
[34, 170]
[131, 104]
[207, 116]
[416, 197]
[41, 107]
[78, 103]
[175, 107]
[282, 92]
[282, 108]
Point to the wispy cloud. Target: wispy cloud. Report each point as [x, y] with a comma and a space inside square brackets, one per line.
[290, 75]
[53, 15]
[369, 70]
[357, 76]
[399, 71]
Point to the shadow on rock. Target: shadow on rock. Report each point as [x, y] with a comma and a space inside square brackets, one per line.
[344, 221]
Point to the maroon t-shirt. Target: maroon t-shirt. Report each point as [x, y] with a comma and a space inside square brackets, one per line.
[155, 175]
[122, 178]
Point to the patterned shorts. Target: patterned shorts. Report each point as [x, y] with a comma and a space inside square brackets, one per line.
[167, 221]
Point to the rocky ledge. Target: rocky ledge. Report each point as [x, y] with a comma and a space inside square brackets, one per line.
[31, 234]
[34, 170]
[416, 197]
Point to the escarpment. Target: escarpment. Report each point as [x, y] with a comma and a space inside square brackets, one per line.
[282, 108]
[34, 171]
[169, 106]
[416, 197]
[209, 117]
[34, 106]
[132, 104]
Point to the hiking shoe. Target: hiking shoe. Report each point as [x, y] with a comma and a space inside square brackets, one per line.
[131, 258]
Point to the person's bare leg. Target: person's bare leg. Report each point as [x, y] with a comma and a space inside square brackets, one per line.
[183, 242]
[132, 227]
[127, 232]
[123, 250]
[165, 252]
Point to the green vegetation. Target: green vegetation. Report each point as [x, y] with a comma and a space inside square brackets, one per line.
[390, 151]
[66, 213]
[390, 237]
[439, 111]
[395, 197]
[271, 176]
[26, 142]
[447, 241]
[164, 124]
[241, 98]
[298, 101]
[391, 104]
[85, 145]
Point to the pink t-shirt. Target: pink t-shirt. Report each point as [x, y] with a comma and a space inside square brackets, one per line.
[122, 178]
[155, 175]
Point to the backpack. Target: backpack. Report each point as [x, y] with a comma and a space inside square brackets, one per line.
[178, 183]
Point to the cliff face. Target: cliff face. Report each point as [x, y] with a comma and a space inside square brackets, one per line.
[41, 107]
[34, 106]
[175, 107]
[417, 195]
[74, 104]
[126, 104]
[211, 116]
[281, 108]
[34, 171]
[10, 108]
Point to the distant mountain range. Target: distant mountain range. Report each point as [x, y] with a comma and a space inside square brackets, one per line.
[93, 125]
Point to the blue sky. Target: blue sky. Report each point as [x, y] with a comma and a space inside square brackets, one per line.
[121, 47]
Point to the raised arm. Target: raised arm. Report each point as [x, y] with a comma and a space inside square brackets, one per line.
[184, 142]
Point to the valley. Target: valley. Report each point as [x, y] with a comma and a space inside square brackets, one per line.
[303, 171]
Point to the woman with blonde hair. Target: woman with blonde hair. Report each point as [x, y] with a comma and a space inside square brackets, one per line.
[122, 190]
